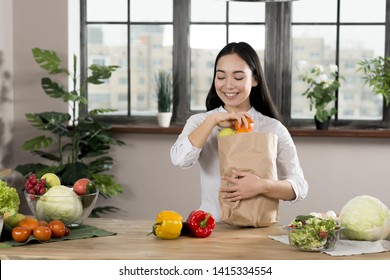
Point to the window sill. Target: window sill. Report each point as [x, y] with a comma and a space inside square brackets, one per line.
[295, 132]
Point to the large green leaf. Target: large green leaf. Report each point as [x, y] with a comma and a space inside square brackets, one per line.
[53, 89]
[101, 164]
[100, 73]
[107, 185]
[25, 169]
[72, 172]
[48, 60]
[37, 143]
[56, 122]
[45, 155]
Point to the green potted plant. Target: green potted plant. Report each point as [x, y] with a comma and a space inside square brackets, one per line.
[377, 75]
[164, 87]
[77, 146]
[321, 92]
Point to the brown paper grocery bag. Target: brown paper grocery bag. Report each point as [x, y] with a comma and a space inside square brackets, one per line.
[254, 152]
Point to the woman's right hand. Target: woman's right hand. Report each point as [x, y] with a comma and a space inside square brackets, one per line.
[228, 119]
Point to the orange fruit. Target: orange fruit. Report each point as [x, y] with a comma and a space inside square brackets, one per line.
[242, 128]
[29, 222]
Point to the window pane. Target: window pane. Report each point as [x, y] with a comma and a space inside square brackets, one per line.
[314, 45]
[357, 101]
[363, 11]
[246, 12]
[314, 11]
[252, 34]
[104, 10]
[203, 53]
[208, 11]
[107, 45]
[151, 51]
[151, 10]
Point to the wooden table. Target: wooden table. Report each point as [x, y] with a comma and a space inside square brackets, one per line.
[132, 242]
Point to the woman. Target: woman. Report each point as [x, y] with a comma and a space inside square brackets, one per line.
[239, 90]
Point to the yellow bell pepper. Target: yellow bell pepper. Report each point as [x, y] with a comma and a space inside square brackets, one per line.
[168, 225]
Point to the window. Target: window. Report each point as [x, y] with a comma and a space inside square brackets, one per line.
[340, 32]
[185, 36]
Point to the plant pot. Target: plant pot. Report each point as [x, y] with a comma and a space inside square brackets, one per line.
[322, 125]
[164, 118]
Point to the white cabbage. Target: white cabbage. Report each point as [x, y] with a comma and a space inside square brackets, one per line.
[59, 203]
[365, 218]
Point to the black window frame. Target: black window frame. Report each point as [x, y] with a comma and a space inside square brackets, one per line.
[277, 66]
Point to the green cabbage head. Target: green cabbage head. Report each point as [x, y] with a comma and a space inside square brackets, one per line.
[365, 218]
[59, 203]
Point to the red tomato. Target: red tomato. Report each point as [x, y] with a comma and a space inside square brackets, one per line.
[67, 231]
[80, 186]
[43, 223]
[29, 223]
[20, 234]
[242, 128]
[42, 233]
[57, 228]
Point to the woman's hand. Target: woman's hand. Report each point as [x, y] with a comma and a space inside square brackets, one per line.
[229, 119]
[242, 185]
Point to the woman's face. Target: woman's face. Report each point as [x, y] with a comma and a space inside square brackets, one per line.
[233, 82]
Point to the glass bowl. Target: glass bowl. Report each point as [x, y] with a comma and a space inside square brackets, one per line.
[72, 210]
[305, 239]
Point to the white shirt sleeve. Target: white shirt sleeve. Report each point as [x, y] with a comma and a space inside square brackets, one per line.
[288, 164]
[183, 153]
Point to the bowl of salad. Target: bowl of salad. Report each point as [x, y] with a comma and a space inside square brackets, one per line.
[310, 233]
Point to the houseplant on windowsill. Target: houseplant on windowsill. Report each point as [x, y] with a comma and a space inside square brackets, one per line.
[377, 75]
[321, 92]
[164, 87]
[74, 145]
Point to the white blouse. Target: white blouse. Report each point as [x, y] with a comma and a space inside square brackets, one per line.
[185, 155]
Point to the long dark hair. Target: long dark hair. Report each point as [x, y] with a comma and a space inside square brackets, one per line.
[259, 97]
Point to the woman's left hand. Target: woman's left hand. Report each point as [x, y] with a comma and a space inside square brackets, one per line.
[242, 185]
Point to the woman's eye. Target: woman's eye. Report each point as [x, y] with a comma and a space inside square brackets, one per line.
[220, 78]
[239, 78]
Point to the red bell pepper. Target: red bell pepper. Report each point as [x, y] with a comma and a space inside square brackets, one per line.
[200, 223]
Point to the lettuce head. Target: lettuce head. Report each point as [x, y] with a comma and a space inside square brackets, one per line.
[59, 203]
[9, 199]
[365, 218]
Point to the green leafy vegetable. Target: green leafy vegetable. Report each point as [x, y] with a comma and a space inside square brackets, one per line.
[365, 218]
[59, 203]
[311, 233]
[9, 199]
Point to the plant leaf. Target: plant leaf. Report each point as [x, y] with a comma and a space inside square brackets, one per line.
[37, 143]
[26, 169]
[53, 89]
[103, 210]
[48, 60]
[100, 73]
[107, 185]
[72, 172]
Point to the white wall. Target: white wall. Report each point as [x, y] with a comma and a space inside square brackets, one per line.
[337, 168]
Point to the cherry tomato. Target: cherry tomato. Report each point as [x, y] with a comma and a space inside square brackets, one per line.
[43, 223]
[80, 186]
[57, 228]
[67, 231]
[20, 234]
[242, 128]
[42, 233]
[29, 223]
